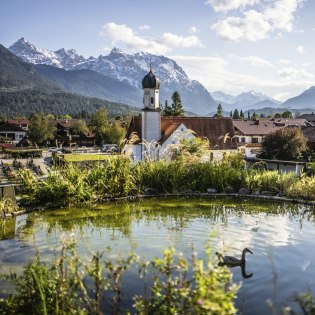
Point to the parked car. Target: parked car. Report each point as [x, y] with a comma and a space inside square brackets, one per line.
[110, 148]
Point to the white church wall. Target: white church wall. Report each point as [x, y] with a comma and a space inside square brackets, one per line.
[151, 126]
[180, 133]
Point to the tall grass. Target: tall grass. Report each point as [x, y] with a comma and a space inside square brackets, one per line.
[117, 177]
[270, 181]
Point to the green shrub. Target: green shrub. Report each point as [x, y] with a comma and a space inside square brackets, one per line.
[303, 188]
[270, 181]
[24, 154]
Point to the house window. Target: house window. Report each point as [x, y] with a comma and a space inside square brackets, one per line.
[20, 136]
[255, 140]
[242, 139]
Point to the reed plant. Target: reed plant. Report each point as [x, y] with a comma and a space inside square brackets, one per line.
[171, 285]
[111, 178]
[303, 188]
[270, 181]
[118, 176]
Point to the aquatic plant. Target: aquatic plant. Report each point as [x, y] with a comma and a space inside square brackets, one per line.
[7, 207]
[117, 176]
[171, 285]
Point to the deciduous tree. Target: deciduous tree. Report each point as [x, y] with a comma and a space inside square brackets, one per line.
[284, 144]
[41, 129]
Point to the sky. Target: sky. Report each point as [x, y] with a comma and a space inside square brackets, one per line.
[228, 45]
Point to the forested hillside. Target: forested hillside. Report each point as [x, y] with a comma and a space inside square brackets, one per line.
[24, 91]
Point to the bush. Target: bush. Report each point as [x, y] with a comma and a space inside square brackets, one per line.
[270, 181]
[284, 144]
[24, 154]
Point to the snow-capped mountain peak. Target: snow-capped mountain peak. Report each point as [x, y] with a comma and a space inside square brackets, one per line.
[62, 58]
[128, 68]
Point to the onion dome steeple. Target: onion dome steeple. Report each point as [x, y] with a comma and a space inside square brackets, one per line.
[150, 81]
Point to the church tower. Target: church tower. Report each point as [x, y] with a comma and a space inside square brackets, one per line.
[151, 112]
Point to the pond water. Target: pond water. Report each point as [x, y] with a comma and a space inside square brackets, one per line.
[281, 236]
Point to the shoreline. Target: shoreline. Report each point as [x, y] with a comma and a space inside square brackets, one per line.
[147, 196]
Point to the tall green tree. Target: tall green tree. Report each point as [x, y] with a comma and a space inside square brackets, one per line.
[287, 114]
[219, 112]
[41, 129]
[242, 115]
[177, 107]
[167, 111]
[255, 116]
[236, 114]
[106, 131]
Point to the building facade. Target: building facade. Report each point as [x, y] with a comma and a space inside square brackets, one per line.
[151, 135]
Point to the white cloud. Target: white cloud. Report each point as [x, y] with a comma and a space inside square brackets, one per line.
[284, 61]
[282, 97]
[256, 61]
[216, 75]
[300, 49]
[193, 30]
[290, 73]
[172, 40]
[120, 33]
[226, 5]
[254, 25]
[145, 27]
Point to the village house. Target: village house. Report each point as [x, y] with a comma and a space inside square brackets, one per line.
[21, 122]
[64, 135]
[11, 132]
[251, 133]
[151, 134]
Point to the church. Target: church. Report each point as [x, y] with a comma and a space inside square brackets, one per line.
[153, 135]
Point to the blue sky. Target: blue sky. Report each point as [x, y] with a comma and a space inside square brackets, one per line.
[228, 45]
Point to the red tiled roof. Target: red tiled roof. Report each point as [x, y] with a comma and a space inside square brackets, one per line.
[262, 127]
[219, 131]
[18, 122]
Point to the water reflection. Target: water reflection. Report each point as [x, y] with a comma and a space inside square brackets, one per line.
[146, 227]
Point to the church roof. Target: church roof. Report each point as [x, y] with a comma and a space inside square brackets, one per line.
[219, 131]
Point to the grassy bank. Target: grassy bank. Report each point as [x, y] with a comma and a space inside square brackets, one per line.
[118, 177]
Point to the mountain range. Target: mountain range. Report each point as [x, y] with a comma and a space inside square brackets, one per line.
[124, 68]
[23, 91]
[117, 77]
[244, 101]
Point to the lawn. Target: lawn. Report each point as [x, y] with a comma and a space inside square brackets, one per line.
[85, 157]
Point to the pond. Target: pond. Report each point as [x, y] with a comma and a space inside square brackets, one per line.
[280, 235]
